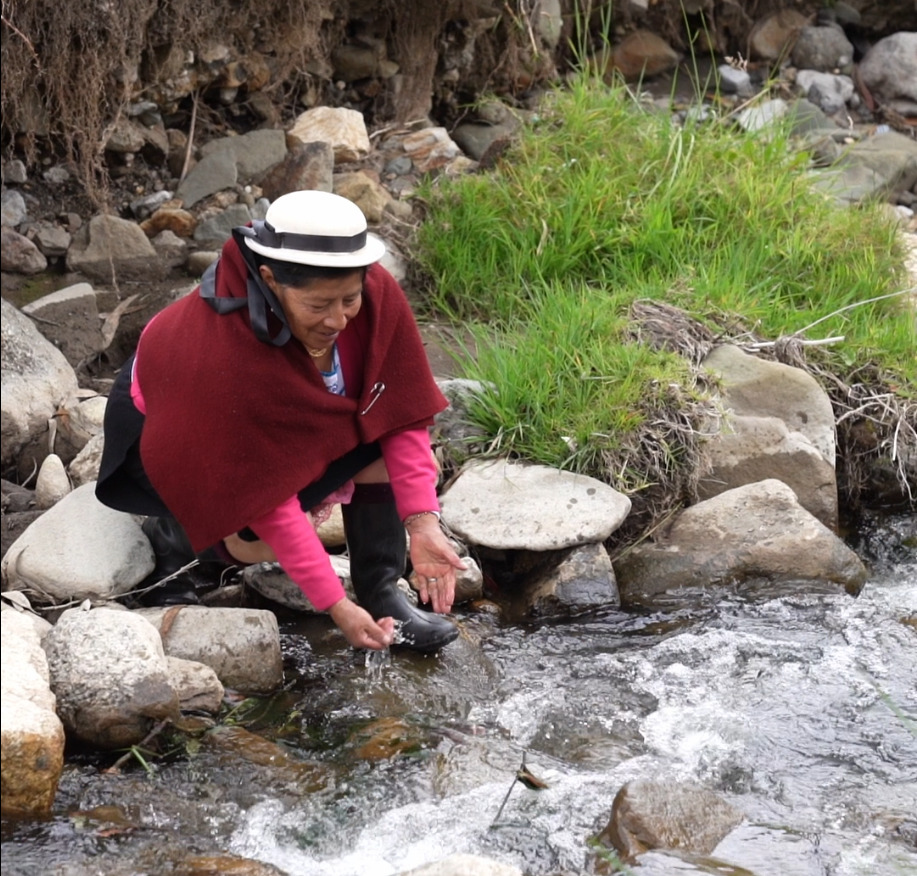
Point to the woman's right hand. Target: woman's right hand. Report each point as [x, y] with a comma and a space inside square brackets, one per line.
[359, 628]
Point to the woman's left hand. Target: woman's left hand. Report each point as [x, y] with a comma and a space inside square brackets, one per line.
[435, 563]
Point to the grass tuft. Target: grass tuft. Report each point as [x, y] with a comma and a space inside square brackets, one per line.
[604, 203]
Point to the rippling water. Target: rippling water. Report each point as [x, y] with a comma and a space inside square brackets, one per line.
[800, 710]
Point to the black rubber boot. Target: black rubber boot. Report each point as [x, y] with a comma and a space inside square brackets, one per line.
[377, 545]
[173, 550]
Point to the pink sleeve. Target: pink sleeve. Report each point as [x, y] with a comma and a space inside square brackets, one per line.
[136, 393]
[300, 552]
[411, 470]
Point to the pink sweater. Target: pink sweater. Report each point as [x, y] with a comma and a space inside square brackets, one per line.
[290, 533]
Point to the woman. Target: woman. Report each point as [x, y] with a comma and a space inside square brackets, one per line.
[293, 377]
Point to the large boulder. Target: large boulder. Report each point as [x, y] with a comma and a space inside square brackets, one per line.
[69, 318]
[752, 534]
[665, 815]
[33, 735]
[109, 248]
[79, 549]
[36, 380]
[109, 673]
[752, 449]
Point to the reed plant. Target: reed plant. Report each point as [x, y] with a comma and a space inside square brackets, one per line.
[604, 202]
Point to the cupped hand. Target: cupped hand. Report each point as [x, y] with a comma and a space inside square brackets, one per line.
[435, 563]
[359, 628]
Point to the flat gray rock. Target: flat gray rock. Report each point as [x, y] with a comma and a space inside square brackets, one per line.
[510, 505]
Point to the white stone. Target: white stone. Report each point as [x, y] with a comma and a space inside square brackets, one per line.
[36, 379]
[52, 483]
[344, 129]
[108, 671]
[79, 549]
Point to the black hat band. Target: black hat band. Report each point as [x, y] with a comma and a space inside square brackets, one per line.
[267, 236]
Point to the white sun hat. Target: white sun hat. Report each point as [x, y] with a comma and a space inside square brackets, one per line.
[315, 228]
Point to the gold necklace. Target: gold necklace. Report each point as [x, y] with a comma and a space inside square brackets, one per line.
[317, 354]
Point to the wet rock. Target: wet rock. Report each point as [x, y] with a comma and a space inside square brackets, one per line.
[344, 129]
[32, 733]
[196, 685]
[580, 580]
[257, 750]
[224, 865]
[69, 318]
[386, 738]
[504, 504]
[79, 549]
[465, 865]
[109, 674]
[754, 533]
[664, 815]
[273, 583]
[36, 379]
[242, 646]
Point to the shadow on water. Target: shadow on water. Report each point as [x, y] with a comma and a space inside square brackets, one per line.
[797, 708]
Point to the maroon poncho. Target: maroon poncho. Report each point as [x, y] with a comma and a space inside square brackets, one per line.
[234, 426]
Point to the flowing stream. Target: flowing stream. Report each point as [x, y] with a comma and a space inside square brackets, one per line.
[799, 709]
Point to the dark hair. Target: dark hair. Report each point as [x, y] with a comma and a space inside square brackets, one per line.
[295, 274]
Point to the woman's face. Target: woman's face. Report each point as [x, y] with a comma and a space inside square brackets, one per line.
[318, 313]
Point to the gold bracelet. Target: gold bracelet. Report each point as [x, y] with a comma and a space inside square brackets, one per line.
[412, 517]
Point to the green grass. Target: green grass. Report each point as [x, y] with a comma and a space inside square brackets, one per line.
[602, 203]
